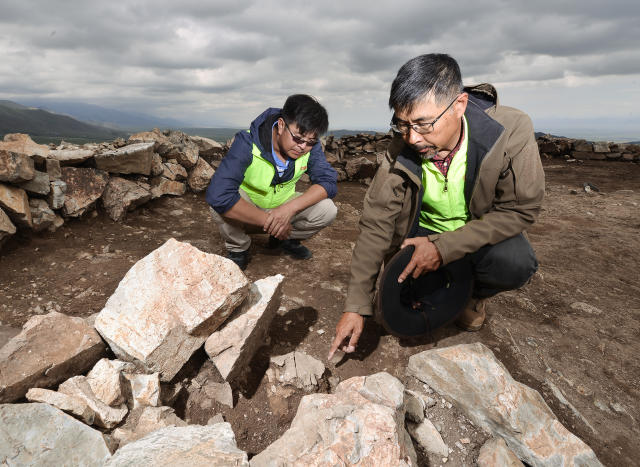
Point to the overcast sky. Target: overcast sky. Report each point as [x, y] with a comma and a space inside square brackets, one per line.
[214, 62]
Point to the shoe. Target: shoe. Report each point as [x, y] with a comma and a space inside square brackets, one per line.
[273, 243]
[473, 316]
[241, 258]
[295, 249]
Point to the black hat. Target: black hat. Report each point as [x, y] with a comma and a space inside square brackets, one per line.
[418, 306]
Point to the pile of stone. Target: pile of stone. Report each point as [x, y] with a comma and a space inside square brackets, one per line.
[579, 149]
[41, 186]
[165, 308]
[356, 157]
[103, 391]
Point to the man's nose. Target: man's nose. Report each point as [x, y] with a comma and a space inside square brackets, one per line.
[413, 136]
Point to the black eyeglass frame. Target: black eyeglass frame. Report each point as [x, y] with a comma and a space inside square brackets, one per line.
[298, 140]
[420, 128]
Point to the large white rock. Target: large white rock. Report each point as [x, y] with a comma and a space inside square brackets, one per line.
[232, 347]
[481, 386]
[50, 349]
[361, 424]
[106, 416]
[39, 434]
[168, 303]
[189, 446]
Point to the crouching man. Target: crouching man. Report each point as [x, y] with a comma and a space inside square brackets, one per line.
[255, 186]
[462, 180]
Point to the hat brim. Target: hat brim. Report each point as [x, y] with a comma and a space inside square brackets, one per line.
[418, 306]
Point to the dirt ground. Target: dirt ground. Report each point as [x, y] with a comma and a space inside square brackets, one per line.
[572, 333]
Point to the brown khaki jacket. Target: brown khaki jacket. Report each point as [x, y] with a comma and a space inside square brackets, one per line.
[504, 188]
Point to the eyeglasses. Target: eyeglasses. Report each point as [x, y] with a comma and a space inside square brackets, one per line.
[422, 128]
[300, 141]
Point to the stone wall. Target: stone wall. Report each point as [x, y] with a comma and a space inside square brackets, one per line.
[339, 150]
[43, 186]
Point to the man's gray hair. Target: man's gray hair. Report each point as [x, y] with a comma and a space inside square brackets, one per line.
[435, 74]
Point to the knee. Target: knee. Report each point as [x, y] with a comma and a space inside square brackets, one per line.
[508, 266]
[327, 212]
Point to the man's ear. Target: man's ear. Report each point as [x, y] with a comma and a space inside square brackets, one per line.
[461, 104]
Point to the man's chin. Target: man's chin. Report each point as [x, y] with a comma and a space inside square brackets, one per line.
[426, 153]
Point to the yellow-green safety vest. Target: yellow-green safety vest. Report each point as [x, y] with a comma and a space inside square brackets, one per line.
[258, 177]
[443, 204]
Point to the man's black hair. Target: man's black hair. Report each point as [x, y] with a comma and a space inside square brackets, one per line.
[307, 113]
[436, 74]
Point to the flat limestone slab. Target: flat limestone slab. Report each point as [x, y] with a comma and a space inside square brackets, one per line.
[481, 386]
[168, 303]
[50, 349]
[232, 347]
[39, 434]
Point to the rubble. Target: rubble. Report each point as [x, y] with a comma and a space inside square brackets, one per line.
[179, 295]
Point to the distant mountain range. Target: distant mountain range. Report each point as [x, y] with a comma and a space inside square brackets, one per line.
[106, 117]
[44, 126]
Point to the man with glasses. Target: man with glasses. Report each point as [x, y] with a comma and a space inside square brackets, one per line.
[254, 187]
[461, 181]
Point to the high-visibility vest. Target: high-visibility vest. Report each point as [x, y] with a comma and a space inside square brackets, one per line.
[443, 205]
[258, 178]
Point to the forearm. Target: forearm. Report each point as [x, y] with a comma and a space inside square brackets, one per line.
[246, 212]
[313, 195]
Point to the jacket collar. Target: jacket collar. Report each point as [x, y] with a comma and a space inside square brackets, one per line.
[484, 131]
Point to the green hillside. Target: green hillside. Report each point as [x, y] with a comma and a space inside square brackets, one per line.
[45, 126]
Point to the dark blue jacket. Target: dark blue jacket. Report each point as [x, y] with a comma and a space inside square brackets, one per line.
[222, 193]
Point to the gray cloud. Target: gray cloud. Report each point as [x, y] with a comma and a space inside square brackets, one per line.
[197, 60]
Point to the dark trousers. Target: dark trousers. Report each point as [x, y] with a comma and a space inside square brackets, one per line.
[507, 265]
